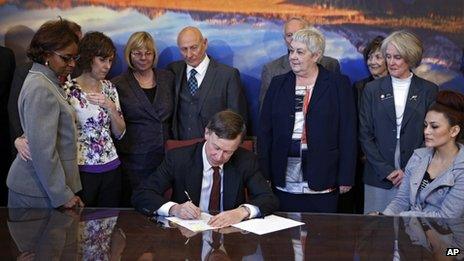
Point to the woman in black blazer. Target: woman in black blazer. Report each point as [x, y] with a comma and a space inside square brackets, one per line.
[307, 132]
[377, 68]
[391, 119]
[146, 98]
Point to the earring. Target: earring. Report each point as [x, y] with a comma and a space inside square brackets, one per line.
[46, 63]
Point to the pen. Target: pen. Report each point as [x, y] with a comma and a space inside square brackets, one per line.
[188, 196]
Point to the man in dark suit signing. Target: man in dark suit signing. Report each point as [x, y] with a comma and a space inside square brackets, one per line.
[203, 87]
[209, 176]
[281, 65]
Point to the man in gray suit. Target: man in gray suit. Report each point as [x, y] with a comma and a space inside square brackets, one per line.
[281, 65]
[202, 87]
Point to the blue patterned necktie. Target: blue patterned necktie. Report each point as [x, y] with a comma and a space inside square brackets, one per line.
[192, 82]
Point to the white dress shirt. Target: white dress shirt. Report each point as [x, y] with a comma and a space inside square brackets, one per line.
[201, 70]
[206, 185]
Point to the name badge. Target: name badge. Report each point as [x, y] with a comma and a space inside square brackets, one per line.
[385, 96]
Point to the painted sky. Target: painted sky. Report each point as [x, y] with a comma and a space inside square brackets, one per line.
[243, 41]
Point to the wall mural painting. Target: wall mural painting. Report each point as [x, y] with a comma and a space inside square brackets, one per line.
[247, 34]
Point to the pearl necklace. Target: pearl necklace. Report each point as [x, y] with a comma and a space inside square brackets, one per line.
[145, 84]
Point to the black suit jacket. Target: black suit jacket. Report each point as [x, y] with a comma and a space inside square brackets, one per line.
[7, 67]
[330, 128]
[148, 125]
[182, 170]
[16, 129]
[222, 90]
[236, 246]
[377, 126]
[359, 88]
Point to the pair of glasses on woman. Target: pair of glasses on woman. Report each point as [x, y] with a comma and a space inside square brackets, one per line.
[139, 54]
[67, 58]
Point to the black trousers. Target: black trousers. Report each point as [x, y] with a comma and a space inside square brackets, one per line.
[316, 203]
[353, 201]
[135, 168]
[101, 189]
[6, 158]
[131, 179]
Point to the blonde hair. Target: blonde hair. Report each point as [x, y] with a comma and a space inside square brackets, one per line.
[139, 40]
[409, 46]
[312, 38]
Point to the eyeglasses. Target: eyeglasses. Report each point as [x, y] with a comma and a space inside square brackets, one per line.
[67, 58]
[139, 54]
[288, 35]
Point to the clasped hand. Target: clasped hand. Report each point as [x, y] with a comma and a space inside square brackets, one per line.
[75, 201]
[396, 177]
[100, 99]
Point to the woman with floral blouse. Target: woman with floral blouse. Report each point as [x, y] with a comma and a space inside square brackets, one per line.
[99, 120]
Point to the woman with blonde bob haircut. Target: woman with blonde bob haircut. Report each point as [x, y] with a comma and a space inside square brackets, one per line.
[407, 45]
[140, 40]
[391, 116]
[146, 100]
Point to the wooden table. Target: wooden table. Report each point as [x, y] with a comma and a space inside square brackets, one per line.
[108, 234]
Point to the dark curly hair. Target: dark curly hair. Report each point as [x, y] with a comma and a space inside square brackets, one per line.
[92, 45]
[372, 46]
[451, 104]
[53, 35]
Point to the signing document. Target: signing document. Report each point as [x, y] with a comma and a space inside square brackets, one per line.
[268, 224]
[195, 225]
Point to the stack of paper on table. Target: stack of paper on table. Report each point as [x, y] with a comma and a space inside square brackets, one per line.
[258, 226]
[267, 224]
[195, 225]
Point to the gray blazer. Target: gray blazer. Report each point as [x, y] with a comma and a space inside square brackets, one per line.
[442, 198]
[281, 65]
[223, 91]
[48, 122]
[48, 233]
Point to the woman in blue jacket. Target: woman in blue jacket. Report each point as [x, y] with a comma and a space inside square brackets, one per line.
[433, 184]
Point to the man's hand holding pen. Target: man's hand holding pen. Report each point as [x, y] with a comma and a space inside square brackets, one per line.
[186, 210]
